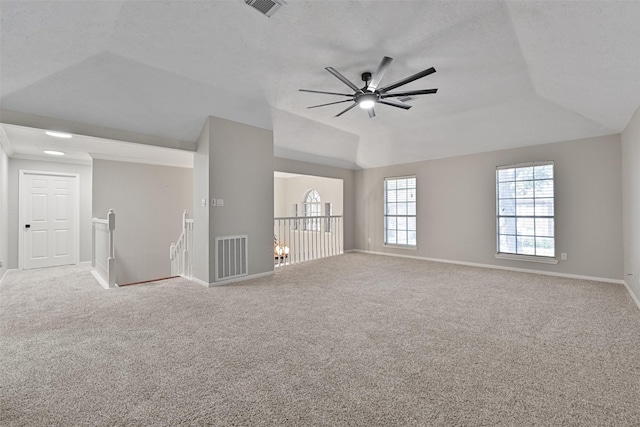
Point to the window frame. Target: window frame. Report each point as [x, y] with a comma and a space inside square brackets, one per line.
[386, 215]
[549, 259]
[312, 209]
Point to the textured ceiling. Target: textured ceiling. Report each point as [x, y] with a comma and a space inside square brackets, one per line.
[509, 73]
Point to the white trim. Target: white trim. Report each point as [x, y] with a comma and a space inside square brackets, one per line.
[410, 247]
[51, 159]
[76, 208]
[101, 281]
[240, 279]
[5, 143]
[526, 164]
[527, 258]
[407, 216]
[230, 281]
[500, 267]
[198, 281]
[633, 296]
[128, 159]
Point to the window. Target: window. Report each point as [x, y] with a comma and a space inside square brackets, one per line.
[525, 209]
[400, 211]
[312, 207]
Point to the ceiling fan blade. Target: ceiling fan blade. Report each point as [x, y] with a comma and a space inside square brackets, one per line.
[409, 79]
[327, 93]
[394, 104]
[347, 109]
[409, 93]
[372, 112]
[343, 79]
[331, 103]
[377, 76]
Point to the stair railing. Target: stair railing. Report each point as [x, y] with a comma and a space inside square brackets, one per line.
[299, 239]
[181, 252]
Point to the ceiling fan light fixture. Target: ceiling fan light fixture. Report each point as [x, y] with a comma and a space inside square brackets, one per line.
[370, 95]
[367, 101]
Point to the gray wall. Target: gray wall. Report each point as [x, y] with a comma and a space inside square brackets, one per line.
[201, 213]
[148, 201]
[241, 173]
[84, 174]
[280, 207]
[4, 211]
[631, 202]
[348, 178]
[456, 206]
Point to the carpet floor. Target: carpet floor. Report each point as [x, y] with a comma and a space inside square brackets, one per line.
[353, 340]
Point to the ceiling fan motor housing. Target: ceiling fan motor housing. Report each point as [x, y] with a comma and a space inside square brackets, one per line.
[366, 76]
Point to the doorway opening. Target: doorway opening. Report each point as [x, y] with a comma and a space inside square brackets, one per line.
[308, 218]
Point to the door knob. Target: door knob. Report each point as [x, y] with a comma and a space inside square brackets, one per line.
[27, 226]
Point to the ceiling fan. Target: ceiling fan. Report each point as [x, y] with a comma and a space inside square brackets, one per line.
[370, 94]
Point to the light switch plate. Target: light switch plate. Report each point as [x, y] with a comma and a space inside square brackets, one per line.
[220, 202]
[213, 202]
[204, 202]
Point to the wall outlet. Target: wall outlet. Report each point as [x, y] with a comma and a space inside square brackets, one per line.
[563, 256]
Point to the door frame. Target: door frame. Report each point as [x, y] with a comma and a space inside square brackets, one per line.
[76, 211]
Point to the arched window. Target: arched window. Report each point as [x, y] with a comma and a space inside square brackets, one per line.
[312, 207]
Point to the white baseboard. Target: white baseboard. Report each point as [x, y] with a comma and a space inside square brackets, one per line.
[198, 281]
[100, 280]
[241, 279]
[500, 267]
[633, 296]
[230, 281]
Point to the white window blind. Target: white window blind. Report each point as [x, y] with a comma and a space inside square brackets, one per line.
[525, 209]
[400, 211]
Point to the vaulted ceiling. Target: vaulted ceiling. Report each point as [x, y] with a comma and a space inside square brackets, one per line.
[509, 73]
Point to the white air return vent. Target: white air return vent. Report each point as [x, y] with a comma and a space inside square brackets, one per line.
[231, 257]
[266, 7]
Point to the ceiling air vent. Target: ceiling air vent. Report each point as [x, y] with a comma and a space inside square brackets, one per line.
[406, 98]
[266, 7]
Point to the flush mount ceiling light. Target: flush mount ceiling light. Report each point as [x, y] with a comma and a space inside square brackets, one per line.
[370, 94]
[58, 134]
[54, 153]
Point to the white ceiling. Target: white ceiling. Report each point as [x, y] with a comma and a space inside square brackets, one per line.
[509, 73]
[30, 143]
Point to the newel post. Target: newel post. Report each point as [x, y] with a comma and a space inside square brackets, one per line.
[111, 260]
[185, 248]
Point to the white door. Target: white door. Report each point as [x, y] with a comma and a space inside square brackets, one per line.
[49, 217]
